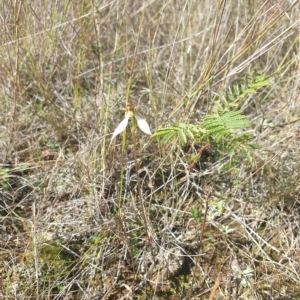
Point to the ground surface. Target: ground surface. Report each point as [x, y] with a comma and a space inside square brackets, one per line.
[85, 219]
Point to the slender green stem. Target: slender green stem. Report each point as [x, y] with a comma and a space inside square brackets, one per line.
[122, 174]
[140, 196]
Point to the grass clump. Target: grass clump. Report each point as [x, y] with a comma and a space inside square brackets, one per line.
[210, 210]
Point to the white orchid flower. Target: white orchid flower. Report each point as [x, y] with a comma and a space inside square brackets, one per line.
[143, 125]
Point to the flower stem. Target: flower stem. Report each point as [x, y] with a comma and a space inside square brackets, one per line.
[140, 196]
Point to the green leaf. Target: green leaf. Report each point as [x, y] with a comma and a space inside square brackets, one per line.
[182, 136]
[253, 146]
[196, 213]
[260, 84]
[161, 132]
[249, 157]
[168, 136]
[189, 133]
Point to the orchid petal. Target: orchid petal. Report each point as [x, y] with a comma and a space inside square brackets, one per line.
[143, 125]
[121, 127]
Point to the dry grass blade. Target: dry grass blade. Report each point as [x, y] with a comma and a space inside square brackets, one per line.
[82, 220]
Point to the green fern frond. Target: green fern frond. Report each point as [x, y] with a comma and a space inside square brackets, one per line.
[247, 86]
[223, 124]
[224, 128]
[216, 126]
[235, 120]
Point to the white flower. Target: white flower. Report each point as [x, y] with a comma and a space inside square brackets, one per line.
[121, 127]
[143, 125]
